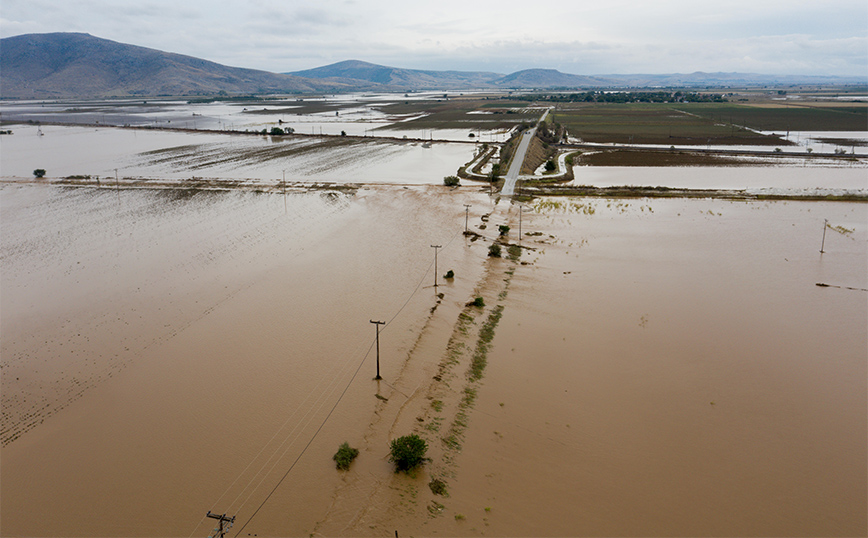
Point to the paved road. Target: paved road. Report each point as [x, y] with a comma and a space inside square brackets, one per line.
[514, 168]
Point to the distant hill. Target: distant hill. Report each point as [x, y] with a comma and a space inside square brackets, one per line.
[398, 78]
[415, 79]
[723, 80]
[551, 78]
[74, 65]
[393, 78]
[63, 65]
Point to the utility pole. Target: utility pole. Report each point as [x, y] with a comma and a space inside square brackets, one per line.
[221, 531]
[284, 191]
[117, 183]
[823, 244]
[435, 247]
[520, 211]
[466, 216]
[378, 323]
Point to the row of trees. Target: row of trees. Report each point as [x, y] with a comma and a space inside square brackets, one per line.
[600, 96]
[277, 131]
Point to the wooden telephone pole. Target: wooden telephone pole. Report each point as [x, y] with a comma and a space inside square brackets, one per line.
[378, 323]
[220, 532]
[435, 247]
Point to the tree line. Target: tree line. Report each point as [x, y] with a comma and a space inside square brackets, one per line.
[600, 96]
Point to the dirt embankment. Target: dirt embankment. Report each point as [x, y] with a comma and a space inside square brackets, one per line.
[537, 153]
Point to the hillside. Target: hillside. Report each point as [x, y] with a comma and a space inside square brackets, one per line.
[550, 78]
[398, 78]
[63, 65]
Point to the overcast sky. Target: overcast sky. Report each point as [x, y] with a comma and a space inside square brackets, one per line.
[822, 37]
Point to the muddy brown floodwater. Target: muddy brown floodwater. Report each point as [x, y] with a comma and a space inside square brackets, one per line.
[657, 367]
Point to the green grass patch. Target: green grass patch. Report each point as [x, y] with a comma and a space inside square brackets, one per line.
[452, 442]
[486, 335]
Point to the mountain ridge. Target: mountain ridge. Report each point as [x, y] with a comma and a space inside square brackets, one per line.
[63, 65]
[79, 65]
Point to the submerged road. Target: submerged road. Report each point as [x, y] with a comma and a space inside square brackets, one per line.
[514, 168]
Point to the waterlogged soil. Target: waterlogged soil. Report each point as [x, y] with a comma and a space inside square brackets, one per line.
[175, 354]
[637, 367]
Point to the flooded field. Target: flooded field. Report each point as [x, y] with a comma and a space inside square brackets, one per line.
[382, 115]
[168, 155]
[670, 368]
[639, 367]
[785, 179]
[661, 367]
[153, 344]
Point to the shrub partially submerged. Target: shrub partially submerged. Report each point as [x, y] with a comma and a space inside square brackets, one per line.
[345, 456]
[438, 487]
[408, 452]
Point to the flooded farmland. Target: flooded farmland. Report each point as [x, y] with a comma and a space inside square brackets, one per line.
[139, 332]
[169, 155]
[656, 367]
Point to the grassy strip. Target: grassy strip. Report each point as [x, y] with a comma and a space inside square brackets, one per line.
[628, 191]
[627, 157]
[483, 345]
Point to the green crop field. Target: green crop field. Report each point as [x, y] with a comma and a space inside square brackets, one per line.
[460, 114]
[651, 123]
[704, 123]
[784, 117]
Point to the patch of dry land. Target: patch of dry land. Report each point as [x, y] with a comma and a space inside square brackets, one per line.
[662, 367]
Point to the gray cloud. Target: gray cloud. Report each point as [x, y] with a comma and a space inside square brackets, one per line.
[582, 37]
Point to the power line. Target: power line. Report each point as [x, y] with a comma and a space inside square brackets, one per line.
[308, 443]
[322, 394]
[325, 420]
